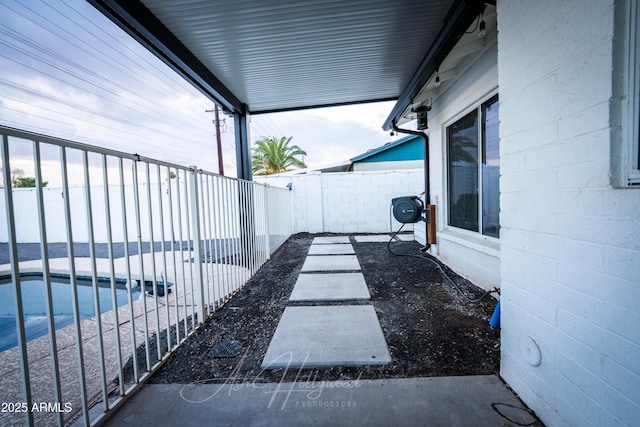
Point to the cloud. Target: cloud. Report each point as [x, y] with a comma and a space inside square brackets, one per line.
[69, 72]
[330, 135]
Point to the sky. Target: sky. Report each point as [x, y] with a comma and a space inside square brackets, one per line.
[69, 72]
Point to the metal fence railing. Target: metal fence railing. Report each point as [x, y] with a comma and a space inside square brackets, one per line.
[108, 263]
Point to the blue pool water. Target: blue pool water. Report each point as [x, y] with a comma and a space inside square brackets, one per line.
[34, 304]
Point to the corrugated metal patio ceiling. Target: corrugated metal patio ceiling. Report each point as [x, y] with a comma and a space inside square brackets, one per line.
[275, 55]
[278, 54]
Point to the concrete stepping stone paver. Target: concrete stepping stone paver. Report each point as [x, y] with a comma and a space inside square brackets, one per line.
[316, 336]
[330, 287]
[375, 238]
[331, 263]
[382, 238]
[331, 249]
[406, 237]
[330, 239]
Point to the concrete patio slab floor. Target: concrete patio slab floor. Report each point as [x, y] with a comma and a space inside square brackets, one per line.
[481, 400]
[330, 287]
[314, 336]
[331, 263]
[331, 249]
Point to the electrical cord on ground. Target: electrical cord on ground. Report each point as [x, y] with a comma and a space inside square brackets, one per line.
[495, 405]
[439, 267]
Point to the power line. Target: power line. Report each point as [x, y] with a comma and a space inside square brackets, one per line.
[94, 79]
[82, 43]
[154, 112]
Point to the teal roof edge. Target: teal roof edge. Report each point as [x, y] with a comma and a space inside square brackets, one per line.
[407, 148]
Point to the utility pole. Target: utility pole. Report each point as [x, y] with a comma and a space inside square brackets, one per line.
[218, 137]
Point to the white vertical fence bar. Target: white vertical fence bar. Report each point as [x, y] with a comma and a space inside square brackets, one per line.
[244, 224]
[145, 320]
[259, 215]
[127, 265]
[227, 236]
[197, 246]
[220, 240]
[248, 234]
[237, 204]
[154, 284]
[210, 247]
[230, 236]
[267, 229]
[182, 250]
[224, 232]
[15, 277]
[94, 279]
[173, 254]
[46, 276]
[204, 238]
[189, 206]
[74, 289]
[164, 275]
[112, 273]
[235, 229]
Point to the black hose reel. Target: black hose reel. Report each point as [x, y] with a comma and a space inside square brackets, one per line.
[407, 209]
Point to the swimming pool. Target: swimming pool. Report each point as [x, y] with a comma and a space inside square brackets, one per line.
[34, 304]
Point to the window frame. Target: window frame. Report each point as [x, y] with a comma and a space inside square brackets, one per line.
[478, 108]
[632, 164]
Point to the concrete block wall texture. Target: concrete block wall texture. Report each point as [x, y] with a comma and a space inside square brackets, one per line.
[570, 241]
[388, 165]
[26, 215]
[349, 202]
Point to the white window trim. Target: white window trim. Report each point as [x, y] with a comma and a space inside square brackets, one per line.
[633, 99]
[475, 106]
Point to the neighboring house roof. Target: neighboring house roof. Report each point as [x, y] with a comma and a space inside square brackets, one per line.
[408, 148]
[404, 149]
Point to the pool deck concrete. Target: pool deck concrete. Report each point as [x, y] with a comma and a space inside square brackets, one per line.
[131, 326]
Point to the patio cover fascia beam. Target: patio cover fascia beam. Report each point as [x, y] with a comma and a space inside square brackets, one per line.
[460, 17]
[134, 18]
[314, 106]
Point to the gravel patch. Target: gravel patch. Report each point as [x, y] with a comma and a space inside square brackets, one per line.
[431, 330]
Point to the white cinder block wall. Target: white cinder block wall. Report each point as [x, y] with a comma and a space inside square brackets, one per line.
[349, 202]
[26, 214]
[570, 242]
[361, 204]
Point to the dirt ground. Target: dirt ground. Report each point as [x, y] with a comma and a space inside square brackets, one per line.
[431, 330]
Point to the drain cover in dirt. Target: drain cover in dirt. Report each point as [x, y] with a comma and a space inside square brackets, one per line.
[225, 348]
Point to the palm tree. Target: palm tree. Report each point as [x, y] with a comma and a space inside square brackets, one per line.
[274, 155]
